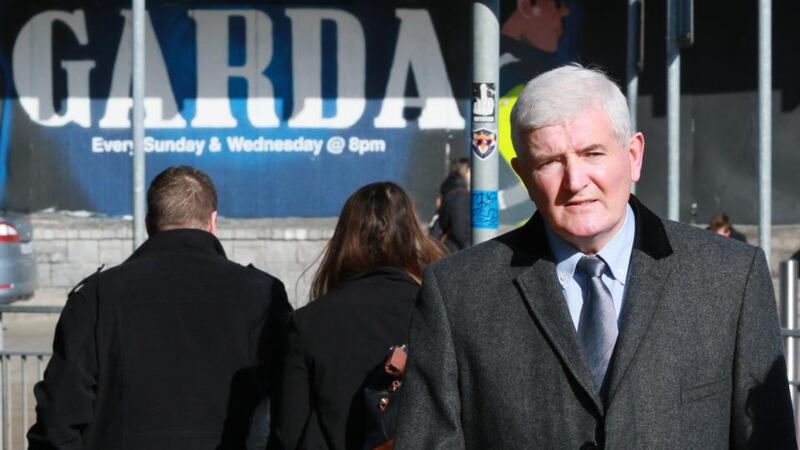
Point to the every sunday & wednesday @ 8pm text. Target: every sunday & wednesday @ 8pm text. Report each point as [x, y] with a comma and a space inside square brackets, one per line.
[334, 145]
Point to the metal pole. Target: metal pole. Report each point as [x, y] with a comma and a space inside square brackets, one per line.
[3, 396]
[673, 113]
[765, 126]
[138, 121]
[4, 406]
[788, 299]
[632, 88]
[485, 77]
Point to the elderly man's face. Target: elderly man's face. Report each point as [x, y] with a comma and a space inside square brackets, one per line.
[580, 178]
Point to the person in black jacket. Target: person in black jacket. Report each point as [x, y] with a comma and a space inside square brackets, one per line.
[453, 226]
[363, 294]
[172, 349]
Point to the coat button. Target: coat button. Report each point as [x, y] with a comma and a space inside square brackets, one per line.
[589, 446]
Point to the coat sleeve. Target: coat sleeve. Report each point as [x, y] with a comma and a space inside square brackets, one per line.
[430, 405]
[65, 397]
[276, 331]
[273, 347]
[295, 391]
[761, 411]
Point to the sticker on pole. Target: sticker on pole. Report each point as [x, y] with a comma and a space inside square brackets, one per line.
[484, 141]
[483, 102]
[484, 209]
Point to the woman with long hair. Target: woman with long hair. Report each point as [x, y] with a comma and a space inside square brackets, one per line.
[361, 302]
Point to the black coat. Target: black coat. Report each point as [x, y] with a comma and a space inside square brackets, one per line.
[169, 350]
[334, 343]
[454, 218]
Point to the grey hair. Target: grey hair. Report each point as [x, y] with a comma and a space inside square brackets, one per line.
[562, 93]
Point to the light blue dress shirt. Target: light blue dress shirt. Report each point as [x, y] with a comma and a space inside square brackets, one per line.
[617, 256]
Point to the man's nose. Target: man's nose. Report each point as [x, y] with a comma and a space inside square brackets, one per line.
[575, 175]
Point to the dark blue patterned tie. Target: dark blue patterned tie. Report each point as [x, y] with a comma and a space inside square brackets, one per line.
[597, 328]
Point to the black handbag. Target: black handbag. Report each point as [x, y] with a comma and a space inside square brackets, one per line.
[381, 395]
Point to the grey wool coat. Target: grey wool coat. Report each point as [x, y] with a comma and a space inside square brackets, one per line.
[495, 360]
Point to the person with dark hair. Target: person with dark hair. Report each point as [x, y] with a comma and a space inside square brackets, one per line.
[721, 224]
[174, 348]
[362, 296]
[453, 226]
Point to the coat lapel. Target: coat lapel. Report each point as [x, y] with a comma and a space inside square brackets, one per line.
[538, 285]
[651, 265]
[644, 294]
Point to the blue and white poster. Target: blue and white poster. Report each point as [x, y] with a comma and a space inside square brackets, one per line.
[288, 107]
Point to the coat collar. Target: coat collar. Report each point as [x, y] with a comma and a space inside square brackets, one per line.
[179, 240]
[539, 286]
[388, 272]
[651, 238]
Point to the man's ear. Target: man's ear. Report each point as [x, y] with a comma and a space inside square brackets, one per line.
[523, 172]
[636, 155]
[149, 226]
[212, 223]
[525, 8]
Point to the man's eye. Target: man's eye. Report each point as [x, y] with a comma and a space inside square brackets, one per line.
[545, 163]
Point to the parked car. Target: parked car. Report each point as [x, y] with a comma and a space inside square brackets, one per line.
[18, 275]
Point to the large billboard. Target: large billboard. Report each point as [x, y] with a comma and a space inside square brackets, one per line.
[289, 107]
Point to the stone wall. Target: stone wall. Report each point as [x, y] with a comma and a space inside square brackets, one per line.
[69, 248]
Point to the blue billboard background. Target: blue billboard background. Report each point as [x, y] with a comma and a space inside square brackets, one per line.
[270, 160]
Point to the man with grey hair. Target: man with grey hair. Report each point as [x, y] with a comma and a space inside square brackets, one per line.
[172, 349]
[597, 324]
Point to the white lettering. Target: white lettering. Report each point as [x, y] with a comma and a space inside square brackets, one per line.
[239, 144]
[151, 145]
[307, 68]
[33, 71]
[213, 69]
[159, 98]
[362, 146]
[418, 51]
[100, 145]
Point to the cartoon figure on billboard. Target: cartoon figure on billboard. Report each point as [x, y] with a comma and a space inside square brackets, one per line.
[536, 35]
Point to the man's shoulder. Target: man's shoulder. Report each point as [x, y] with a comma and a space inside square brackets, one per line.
[247, 277]
[254, 272]
[689, 235]
[692, 243]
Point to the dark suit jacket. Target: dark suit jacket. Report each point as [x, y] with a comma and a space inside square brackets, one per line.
[495, 361]
[169, 350]
[334, 344]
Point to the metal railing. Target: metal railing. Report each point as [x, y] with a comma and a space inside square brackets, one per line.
[19, 370]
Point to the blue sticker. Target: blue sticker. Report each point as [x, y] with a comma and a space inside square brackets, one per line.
[484, 209]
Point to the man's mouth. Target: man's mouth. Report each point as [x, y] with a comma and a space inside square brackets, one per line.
[579, 203]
